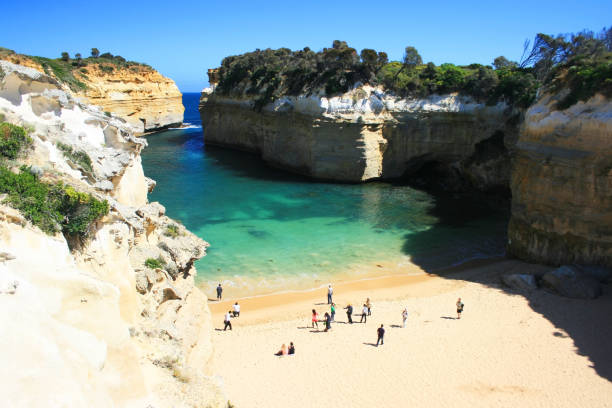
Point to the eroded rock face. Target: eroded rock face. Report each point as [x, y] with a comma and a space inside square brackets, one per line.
[367, 134]
[562, 184]
[141, 96]
[92, 325]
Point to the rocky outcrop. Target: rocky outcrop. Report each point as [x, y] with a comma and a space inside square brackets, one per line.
[367, 134]
[87, 322]
[562, 184]
[141, 96]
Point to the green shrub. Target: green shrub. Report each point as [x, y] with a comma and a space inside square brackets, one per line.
[106, 68]
[62, 70]
[153, 263]
[76, 156]
[51, 207]
[171, 231]
[13, 139]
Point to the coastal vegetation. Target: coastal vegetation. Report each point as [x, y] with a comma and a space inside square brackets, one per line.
[51, 207]
[73, 71]
[579, 62]
[78, 157]
[154, 263]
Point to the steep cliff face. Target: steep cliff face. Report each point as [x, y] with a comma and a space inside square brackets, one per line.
[143, 97]
[562, 184]
[87, 323]
[366, 134]
[136, 93]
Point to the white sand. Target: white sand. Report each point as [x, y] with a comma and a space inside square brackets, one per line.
[503, 352]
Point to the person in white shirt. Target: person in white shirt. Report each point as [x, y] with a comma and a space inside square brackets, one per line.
[364, 314]
[236, 311]
[404, 317]
[227, 321]
[330, 292]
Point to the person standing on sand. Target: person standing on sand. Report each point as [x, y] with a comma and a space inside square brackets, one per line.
[349, 313]
[315, 319]
[333, 311]
[236, 311]
[369, 305]
[364, 314]
[330, 292]
[219, 292]
[327, 321]
[227, 321]
[381, 335]
[404, 317]
[459, 308]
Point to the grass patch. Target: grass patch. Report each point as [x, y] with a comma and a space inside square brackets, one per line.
[76, 156]
[62, 70]
[13, 139]
[172, 231]
[51, 207]
[153, 263]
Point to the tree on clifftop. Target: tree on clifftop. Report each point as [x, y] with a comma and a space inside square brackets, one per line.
[79, 60]
[411, 58]
[65, 56]
[95, 52]
[502, 62]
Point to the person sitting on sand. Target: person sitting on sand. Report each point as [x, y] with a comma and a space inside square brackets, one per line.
[227, 321]
[315, 319]
[349, 313]
[459, 308]
[364, 314]
[291, 348]
[404, 317]
[236, 311]
[369, 305]
[327, 321]
[282, 351]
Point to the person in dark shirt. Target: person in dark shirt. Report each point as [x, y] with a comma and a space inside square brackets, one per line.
[291, 348]
[381, 335]
[327, 321]
[219, 292]
[349, 312]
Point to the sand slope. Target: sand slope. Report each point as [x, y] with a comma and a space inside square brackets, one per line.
[501, 353]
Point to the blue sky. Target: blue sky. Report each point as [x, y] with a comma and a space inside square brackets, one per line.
[183, 39]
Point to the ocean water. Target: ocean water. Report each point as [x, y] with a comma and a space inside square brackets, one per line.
[272, 231]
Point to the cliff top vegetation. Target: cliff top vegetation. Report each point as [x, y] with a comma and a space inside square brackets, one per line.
[579, 62]
[74, 71]
[51, 207]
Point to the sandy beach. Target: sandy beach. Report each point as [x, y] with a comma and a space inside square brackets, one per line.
[508, 349]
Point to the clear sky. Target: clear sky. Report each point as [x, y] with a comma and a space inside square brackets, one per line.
[184, 38]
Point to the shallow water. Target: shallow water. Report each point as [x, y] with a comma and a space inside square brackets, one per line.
[271, 231]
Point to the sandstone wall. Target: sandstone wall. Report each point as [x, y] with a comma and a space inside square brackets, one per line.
[143, 97]
[91, 325]
[364, 134]
[562, 184]
[138, 94]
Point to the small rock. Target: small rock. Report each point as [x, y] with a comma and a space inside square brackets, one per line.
[569, 281]
[521, 282]
[142, 282]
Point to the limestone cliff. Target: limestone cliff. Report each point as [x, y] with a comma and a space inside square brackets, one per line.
[368, 134]
[140, 95]
[562, 184]
[87, 323]
[136, 93]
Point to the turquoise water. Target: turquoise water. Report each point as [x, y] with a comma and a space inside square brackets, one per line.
[271, 230]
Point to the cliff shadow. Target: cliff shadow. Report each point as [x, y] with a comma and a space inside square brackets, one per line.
[586, 322]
